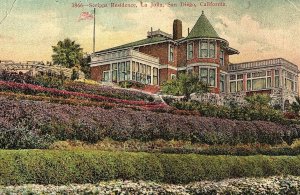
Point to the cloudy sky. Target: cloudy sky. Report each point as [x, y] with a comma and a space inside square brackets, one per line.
[259, 29]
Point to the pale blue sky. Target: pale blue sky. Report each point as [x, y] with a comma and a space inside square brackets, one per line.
[257, 28]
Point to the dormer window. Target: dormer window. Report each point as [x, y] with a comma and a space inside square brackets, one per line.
[207, 49]
[190, 51]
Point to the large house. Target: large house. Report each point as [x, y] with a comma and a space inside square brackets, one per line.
[162, 56]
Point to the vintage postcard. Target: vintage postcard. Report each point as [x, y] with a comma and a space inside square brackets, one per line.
[149, 97]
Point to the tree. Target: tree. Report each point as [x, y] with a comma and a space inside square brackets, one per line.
[185, 85]
[67, 53]
[85, 66]
[295, 106]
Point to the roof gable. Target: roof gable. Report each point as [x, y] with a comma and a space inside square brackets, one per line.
[203, 29]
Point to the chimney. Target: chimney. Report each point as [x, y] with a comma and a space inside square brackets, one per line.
[177, 29]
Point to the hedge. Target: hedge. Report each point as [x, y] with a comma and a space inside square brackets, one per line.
[64, 167]
[92, 124]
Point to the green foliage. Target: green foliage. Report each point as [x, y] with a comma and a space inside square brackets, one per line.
[85, 66]
[295, 106]
[258, 101]
[67, 53]
[185, 85]
[64, 167]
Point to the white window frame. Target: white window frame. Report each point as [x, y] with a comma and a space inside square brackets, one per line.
[171, 57]
[103, 76]
[187, 50]
[208, 41]
[208, 75]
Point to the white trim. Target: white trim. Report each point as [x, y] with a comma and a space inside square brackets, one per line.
[167, 66]
[187, 50]
[204, 64]
[208, 41]
[208, 75]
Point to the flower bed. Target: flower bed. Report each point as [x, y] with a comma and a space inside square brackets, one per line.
[269, 185]
[82, 87]
[92, 124]
[35, 89]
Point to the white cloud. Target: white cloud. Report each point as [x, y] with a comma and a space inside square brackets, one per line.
[257, 42]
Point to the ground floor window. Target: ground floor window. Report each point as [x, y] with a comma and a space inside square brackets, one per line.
[208, 76]
[236, 83]
[105, 76]
[155, 76]
[222, 83]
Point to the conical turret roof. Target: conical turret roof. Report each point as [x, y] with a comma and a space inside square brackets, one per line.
[203, 29]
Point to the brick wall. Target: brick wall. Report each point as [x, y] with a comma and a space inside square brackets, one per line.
[97, 72]
[157, 50]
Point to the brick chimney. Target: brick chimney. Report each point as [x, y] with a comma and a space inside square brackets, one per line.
[177, 29]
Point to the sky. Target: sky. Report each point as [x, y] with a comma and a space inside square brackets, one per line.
[259, 29]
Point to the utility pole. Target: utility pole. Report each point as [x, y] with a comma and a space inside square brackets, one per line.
[94, 33]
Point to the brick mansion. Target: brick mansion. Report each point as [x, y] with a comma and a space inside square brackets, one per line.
[162, 56]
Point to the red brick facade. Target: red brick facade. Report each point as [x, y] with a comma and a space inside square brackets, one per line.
[97, 72]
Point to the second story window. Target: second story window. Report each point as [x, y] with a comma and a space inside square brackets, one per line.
[190, 51]
[203, 49]
[222, 58]
[207, 49]
[171, 54]
[212, 49]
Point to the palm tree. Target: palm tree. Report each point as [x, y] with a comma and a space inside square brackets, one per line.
[67, 53]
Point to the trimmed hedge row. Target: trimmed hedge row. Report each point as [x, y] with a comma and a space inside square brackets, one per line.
[92, 124]
[63, 167]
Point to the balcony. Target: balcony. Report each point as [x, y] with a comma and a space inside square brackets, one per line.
[123, 54]
[263, 64]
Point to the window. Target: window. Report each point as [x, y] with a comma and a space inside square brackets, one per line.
[105, 76]
[212, 49]
[148, 79]
[155, 76]
[232, 87]
[258, 84]
[203, 49]
[222, 83]
[127, 76]
[204, 75]
[190, 51]
[115, 72]
[121, 71]
[212, 77]
[171, 55]
[208, 75]
[259, 80]
[133, 71]
[236, 83]
[222, 58]
[277, 78]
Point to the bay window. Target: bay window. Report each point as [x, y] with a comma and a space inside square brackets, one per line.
[208, 76]
[190, 51]
[207, 49]
[222, 58]
[222, 83]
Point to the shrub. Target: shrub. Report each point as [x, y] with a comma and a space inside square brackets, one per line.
[22, 138]
[92, 124]
[65, 167]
